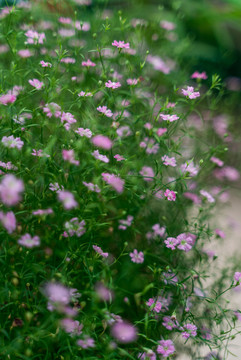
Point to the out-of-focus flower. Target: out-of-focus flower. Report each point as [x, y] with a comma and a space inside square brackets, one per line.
[8, 221]
[147, 173]
[28, 241]
[121, 44]
[113, 180]
[165, 348]
[36, 83]
[124, 332]
[10, 190]
[102, 141]
[12, 142]
[67, 199]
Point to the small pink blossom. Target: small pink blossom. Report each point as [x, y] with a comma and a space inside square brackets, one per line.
[102, 141]
[86, 343]
[36, 83]
[121, 44]
[25, 53]
[154, 305]
[197, 75]
[220, 233]
[125, 223]
[72, 327]
[28, 241]
[11, 189]
[171, 243]
[168, 117]
[67, 119]
[165, 348]
[170, 195]
[12, 142]
[105, 111]
[88, 63]
[149, 145]
[124, 131]
[55, 187]
[217, 161]
[124, 332]
[68, 155]
[190, 93]
[167, 25]
[7, 99]
[33, 37]
[189, 330]
[237, 276]
[137, 257]
[68, 60]
[42, 212]
[67, 199]
[8, 221]
[189, 168]
[74, 227]
[92, 187]
[193, 197]
[84, 132]
[169, 161]
[100, 251]
[161, 131]
[171, 105]
[119, 157]
[207, 196]
[169, 323]
[100, 157]
[39, 153]
[185, 242]
[52, 109]
[132, 81]
[45, 64]
[147, 173]
[85, 94]
[112, 85]
[113, 180]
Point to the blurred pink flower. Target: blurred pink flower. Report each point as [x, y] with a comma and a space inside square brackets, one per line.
[121, 44]
[67, 199]
[124, 332]
[28, 241]
[36, 83]
[10, 190]
[8, 221]
[114, 181]
[102, 141]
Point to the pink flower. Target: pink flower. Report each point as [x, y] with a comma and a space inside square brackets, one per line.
[45, 64]
[68, 60]
[84, 132]
[10, 190]
[67, 119]
[88, 342]
[185, 242]
[112, 85]
[189, 330]
[190, 93]
[124, 131]
[74, 227]
[159, 64]
[67, 199]
[68, 155]
[193, 197]
[100, 157]
[55, 187]
[167, 25]
[92, 187]
[148, 355]
[166, 348]
[161, 131]
[88, 63]
[64, 20]
[114, 181]
[150, 145]
[207, 196]
[171, 243]
[220, 233]
[42, 212]
[119, 157]
[197, 75]
[237, 276]
[66, 32]
[85, 94]
[7, 99]
[11, 142]
[102, 141]
[39, 153]
[148, 173]
[170, 118]
[170, 195]
[8, 220]
[125, 223]
[52, 109]
[137, 257]
[169, 161]
[36, 83]
[100, 251]
[169, 323]
[105, 111]
[228, 173]
[171, 105]
[121, 44]
[154, 305]
[33, 37]
[217, 161]
[124, 332]
[57, 293]
[25, 53]
[189, 168]
[28, 241]
[132, 81]
[71, 326]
